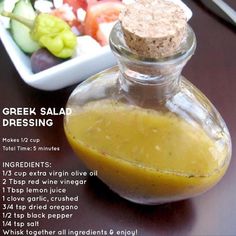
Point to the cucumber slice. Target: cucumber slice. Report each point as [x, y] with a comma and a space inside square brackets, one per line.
[20, 32]
[1, 6]
[6, 5]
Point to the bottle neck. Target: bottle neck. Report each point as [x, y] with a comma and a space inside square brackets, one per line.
[149, 80]
[147, 83]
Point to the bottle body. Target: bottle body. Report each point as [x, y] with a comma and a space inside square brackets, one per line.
[152, 136]
[148, 151]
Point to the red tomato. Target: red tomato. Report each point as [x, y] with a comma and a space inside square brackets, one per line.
[76, 4]
[102, 11]
[91, 2]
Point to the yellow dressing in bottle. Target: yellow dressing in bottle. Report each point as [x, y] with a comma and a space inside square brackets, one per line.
[143, 154]
[152, 136]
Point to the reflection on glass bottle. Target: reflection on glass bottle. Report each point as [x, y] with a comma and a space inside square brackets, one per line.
[152, 135]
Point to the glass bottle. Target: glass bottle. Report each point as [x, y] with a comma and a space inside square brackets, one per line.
[152, 136]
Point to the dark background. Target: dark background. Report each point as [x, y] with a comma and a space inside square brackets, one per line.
[213, 70]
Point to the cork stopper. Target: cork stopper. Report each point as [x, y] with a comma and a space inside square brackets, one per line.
[153, 28]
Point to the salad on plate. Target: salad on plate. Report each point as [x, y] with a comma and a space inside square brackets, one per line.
[53, 31]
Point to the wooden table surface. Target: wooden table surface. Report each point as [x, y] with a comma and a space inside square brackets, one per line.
[213, 70]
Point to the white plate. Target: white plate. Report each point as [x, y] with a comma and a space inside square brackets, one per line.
[67, 73]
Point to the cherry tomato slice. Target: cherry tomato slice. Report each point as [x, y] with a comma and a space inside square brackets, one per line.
[101, 12]
[76, 4]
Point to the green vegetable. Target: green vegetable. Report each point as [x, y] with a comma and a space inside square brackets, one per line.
[50, 32]
[1, 6]
[21, 33]
[54, 34]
